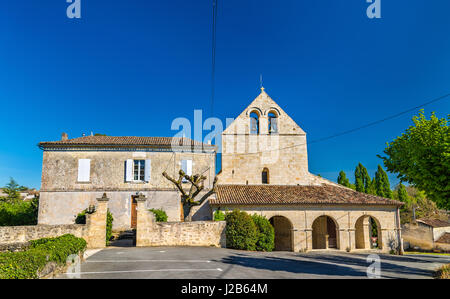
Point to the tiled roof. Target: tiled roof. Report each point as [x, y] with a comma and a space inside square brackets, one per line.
[124, 141]
[434, 222]
[293, 195]
[445, 238]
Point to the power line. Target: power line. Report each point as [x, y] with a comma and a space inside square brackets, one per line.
[213, 54]
[357, 128]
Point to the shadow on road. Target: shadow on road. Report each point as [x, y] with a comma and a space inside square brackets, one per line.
[291, 265]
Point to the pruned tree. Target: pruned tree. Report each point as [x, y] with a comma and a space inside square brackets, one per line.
[188, 198]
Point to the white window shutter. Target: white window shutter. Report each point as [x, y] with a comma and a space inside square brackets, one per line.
[129, 170]
[148, 170]
[184, 165]
[84, 170]
[189, 167]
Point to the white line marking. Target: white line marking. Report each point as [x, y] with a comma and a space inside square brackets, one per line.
[143, 261]
[137, 271]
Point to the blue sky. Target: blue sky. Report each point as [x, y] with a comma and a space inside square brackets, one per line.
[131, 67]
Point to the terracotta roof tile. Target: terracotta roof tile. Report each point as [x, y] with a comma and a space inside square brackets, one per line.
[123, 141]
[292, 195]
[434, 222]
[445, 238]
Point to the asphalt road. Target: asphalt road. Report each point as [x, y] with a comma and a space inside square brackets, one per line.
[204, 263]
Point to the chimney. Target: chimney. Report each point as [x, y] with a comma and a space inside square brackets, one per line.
[64, 137]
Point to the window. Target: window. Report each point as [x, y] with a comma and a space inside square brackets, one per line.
[254, 123]
[186, 166]
[273, 123]
[265, 176]
[137, 170]
[84, 170]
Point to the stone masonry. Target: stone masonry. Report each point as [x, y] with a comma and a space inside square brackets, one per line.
[198, 233]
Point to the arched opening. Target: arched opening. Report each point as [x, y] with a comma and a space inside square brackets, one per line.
[283, 233]
[254, 123]
[273, 123]
[325, 233]
[368, 233]
[265, 176]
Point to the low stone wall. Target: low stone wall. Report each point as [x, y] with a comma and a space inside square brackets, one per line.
[94, 231]
[22, 234]
[197, 233]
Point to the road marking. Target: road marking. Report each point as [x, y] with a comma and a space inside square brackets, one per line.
[140, 271]
[140, 261]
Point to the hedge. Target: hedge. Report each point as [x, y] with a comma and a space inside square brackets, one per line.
[266, 233]
[19, 213]
[219, 215]
[160, 215]
[109, 223]
[27, 264]
[241, 232]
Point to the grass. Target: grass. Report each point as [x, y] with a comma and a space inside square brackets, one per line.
[443, 272]
[426, 253]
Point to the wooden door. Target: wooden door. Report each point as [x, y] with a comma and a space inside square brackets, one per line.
[133, 212]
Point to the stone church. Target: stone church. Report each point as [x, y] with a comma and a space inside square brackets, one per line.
[264, 171]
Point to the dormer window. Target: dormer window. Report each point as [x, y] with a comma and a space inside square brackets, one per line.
[254, 123]
[273, 123]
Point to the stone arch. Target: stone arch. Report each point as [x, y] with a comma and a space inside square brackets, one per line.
[364, 232]
[325, 233]
[284, 238]
[256, 110]
[274, 110]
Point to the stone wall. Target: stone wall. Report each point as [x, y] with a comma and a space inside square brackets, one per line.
[94, 231]
[198, 233]
[424, 236]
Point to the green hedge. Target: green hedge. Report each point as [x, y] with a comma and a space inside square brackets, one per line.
[219, 215]
[19, 213]
[241, 231]
[27, 264]
[266, 233]
[160, 215]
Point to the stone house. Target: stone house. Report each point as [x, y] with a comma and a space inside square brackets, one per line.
[265, 171]
[77, 171]
[427, 234]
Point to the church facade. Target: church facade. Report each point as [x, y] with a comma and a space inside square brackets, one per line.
[265, 171]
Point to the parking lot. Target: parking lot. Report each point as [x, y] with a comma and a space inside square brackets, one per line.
[217, 263]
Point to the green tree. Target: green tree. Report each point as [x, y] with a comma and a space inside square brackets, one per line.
[381, 183]
[421, 157]
[12, 190]
[362, 179]
[402, 194]
[343, 180]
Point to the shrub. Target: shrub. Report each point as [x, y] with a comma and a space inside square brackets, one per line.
[81, 217]
[160, 215]
[219, 215]
[241, 231]
[443, 272]
[19, 213]
[109, 223]
[266, 233]
[27, 264]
